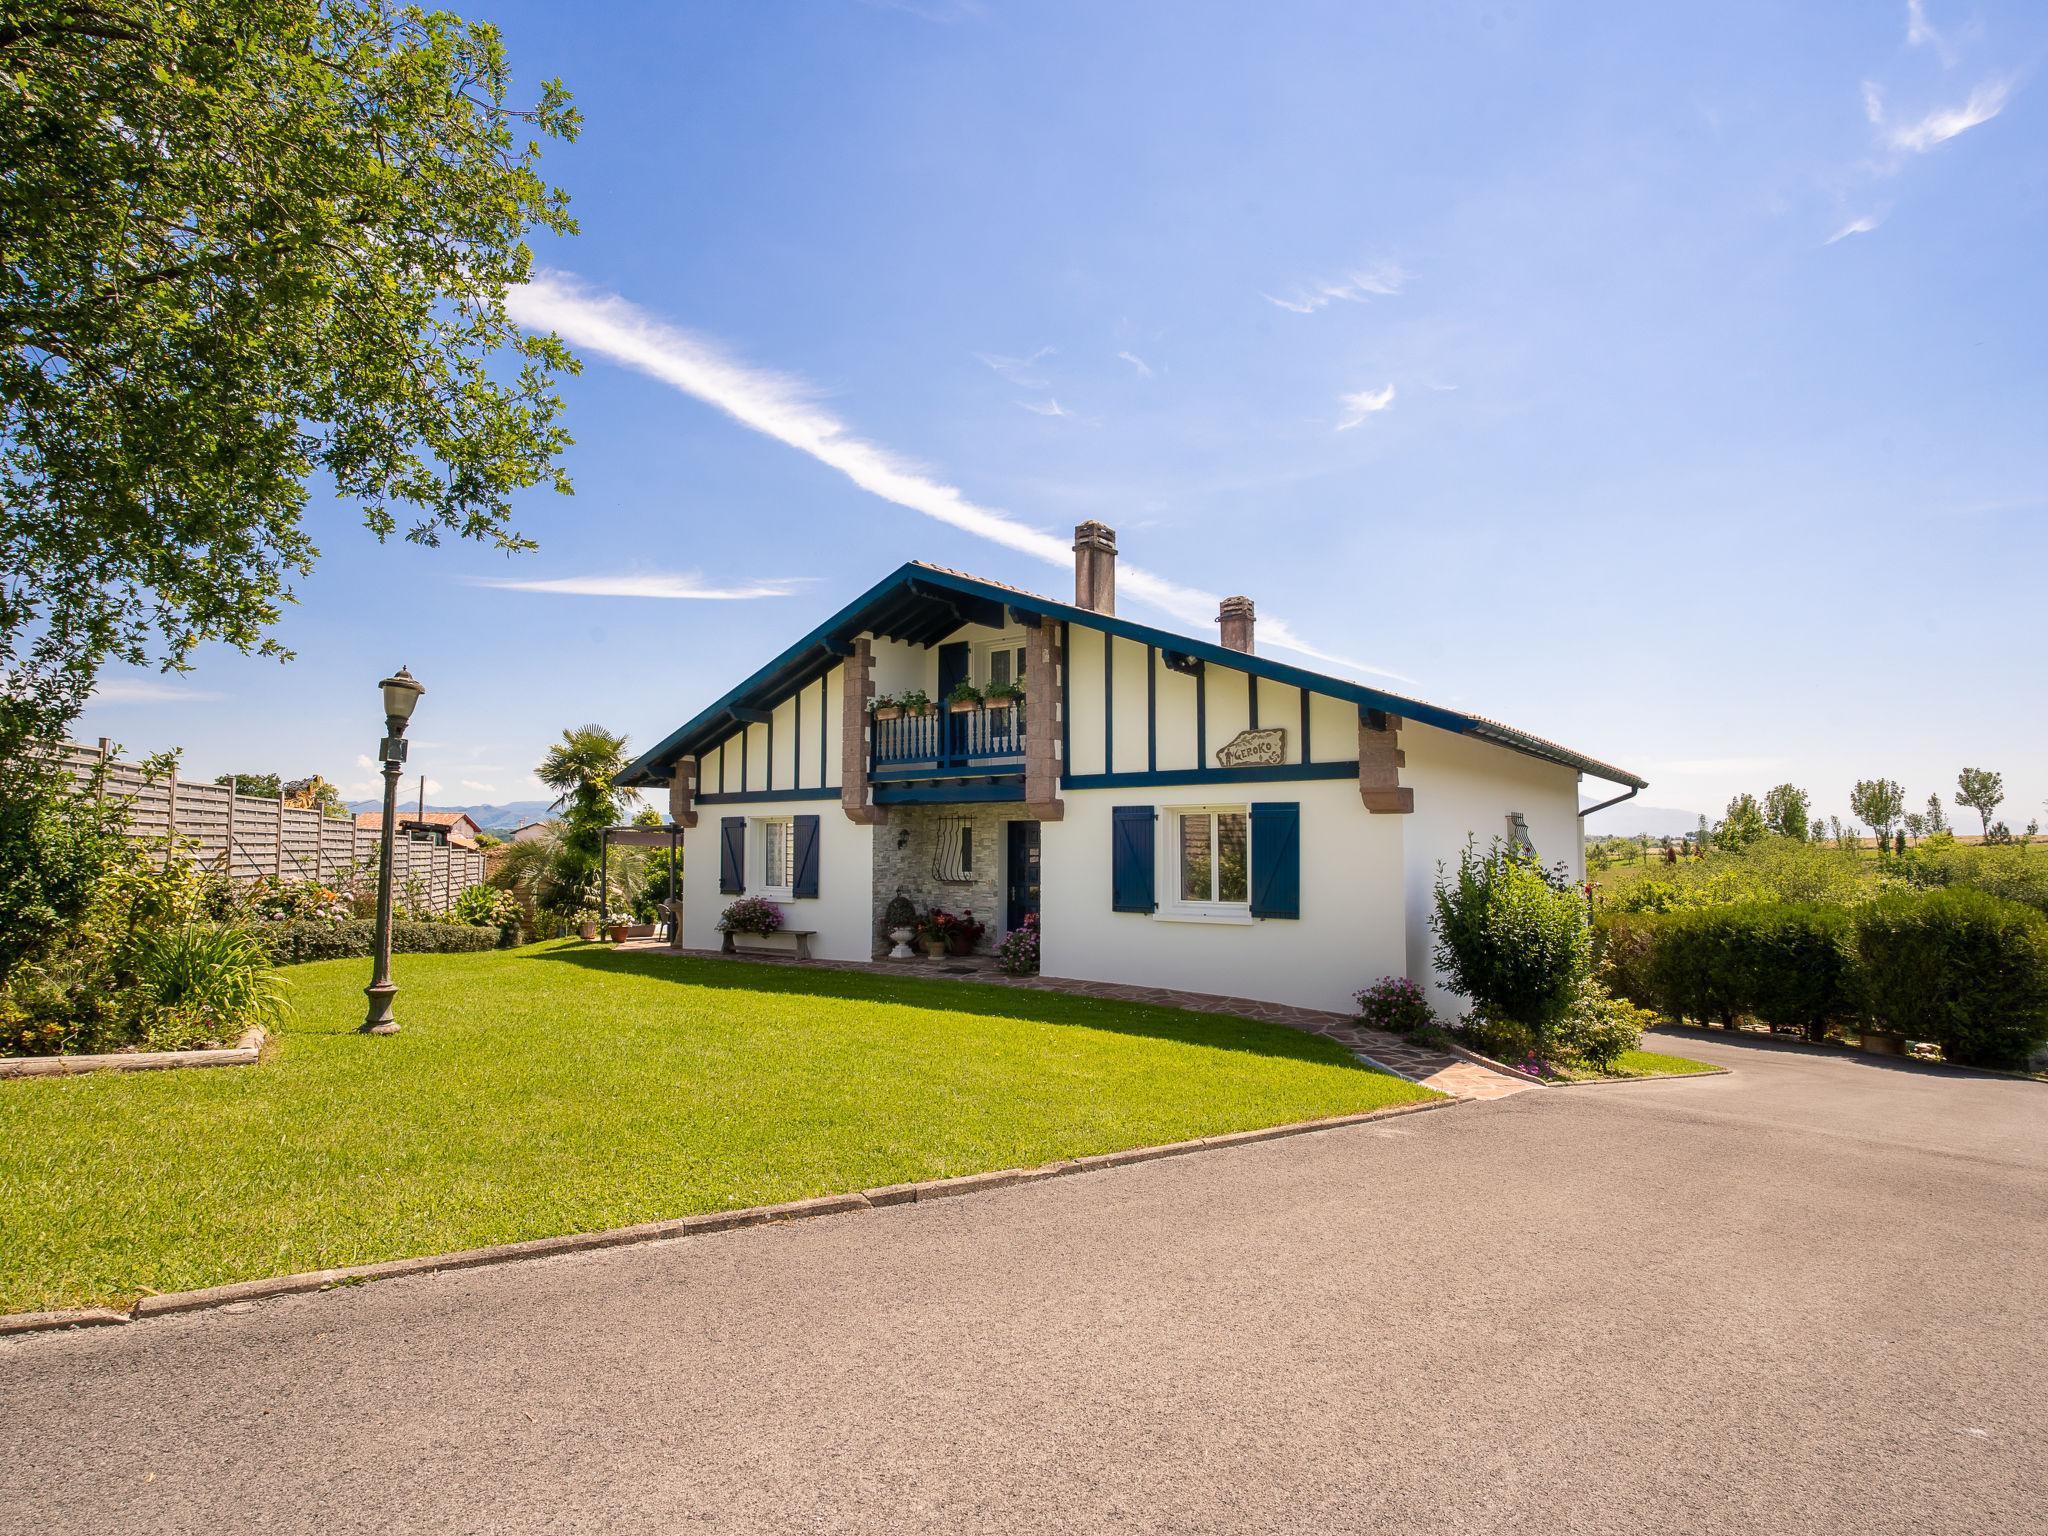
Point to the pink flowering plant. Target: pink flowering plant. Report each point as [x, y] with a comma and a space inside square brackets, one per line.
[1017, 955]
[1395, 1004]
[751, 914]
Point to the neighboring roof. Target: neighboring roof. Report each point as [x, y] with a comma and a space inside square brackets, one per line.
[450, 821]
[922, 604]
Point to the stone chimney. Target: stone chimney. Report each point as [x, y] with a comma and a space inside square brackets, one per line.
[1235, 620]
[1095, 568]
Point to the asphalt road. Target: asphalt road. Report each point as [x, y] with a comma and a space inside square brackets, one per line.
[1804, 1297]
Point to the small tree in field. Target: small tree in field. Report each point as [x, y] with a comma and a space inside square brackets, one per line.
[1744, 824]
[1937, 818]
[1878, 803]
[1785, 811]
[1982, 791]
[1513, 938]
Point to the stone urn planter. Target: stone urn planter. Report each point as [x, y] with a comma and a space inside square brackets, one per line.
[587, 932]
[900, 938]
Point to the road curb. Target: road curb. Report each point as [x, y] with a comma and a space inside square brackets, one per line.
[308, 1281]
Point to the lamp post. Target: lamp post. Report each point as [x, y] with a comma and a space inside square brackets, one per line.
[401, 692]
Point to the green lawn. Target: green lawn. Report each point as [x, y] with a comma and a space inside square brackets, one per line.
[565, 1088]
[1646, 1064]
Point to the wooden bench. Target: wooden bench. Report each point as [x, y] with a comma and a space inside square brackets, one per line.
[803, 937]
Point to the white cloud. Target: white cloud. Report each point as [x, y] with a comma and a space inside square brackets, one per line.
[1873, 104]
[1920, 32]
[1017, 370]
[1861, 225]
[1144, 368]
[1046, 407]
[783, 407]
[1944, 123]
[1382, 280]
[1366, 402]
[482, 789]
[640, 584]
[148, 690]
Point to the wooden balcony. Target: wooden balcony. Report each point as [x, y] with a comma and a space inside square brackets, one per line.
[943, 744]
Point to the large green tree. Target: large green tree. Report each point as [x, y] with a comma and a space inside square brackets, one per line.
[250, 244]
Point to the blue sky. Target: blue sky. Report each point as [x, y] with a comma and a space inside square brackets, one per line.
[1668, 383]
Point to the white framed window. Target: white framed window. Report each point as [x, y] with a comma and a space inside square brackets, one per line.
[1207, 855]
[998, 661]
[776, 839]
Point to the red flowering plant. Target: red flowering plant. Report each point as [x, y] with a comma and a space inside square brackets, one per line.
[958, 935]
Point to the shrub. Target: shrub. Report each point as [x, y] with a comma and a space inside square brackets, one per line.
[1964, 969]
[1799, 964]
[202, 984]
[1624, 945]
[318, 939]
[1599, 1029]
[751, 914]
[1698, 966]
[483, 906]
[1395, 1004]
[1017, 955]
[1512, 937]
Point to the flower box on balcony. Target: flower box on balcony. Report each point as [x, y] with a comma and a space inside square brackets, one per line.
[964, 706]
[888, 712]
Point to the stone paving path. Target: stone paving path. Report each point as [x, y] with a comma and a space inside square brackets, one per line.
[1436, 1069]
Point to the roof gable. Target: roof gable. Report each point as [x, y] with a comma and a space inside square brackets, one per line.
[922, 604]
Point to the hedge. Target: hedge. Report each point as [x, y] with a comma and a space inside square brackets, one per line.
[296, 942]
[1963, 969]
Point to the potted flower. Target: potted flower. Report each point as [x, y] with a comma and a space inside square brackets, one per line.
[753, 917]
[586, 924]
[886, 707]
[965, 698]
[964, 934]
[915, 702]
[618, 930]
[933, 931]
[900, 920]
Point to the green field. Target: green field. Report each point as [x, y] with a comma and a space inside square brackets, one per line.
[565, 1088]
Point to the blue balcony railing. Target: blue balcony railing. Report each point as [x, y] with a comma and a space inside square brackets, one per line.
[941, 742]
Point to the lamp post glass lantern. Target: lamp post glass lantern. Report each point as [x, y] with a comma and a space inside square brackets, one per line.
[401, 692]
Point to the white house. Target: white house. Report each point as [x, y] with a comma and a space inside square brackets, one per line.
[1177, 812]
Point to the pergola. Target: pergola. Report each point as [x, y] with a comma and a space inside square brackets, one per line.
[635, 837]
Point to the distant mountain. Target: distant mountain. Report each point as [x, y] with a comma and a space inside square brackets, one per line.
[492, 818]
[1630, 819]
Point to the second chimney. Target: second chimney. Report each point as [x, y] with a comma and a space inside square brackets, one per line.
[1235, 620]
[1095, 567]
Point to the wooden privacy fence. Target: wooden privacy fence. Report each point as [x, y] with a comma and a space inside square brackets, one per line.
[250, 837]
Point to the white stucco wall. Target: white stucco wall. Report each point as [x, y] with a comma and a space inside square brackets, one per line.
[1350, 930]
[1468, 787]
[840, 914]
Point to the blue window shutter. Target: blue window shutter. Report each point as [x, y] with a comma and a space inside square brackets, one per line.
[1131, 858]
[1276, 859]
[732, 854]
[806, 881]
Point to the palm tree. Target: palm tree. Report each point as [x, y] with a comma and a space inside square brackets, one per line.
[583, 769]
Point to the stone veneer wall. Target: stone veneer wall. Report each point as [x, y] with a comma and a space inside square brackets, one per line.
[913, 868]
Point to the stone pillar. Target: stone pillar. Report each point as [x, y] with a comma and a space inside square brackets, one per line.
[858, 672]
[1234, 619]
[1095, 567]
[682, 792]
[1043, 658]
[1380, 760]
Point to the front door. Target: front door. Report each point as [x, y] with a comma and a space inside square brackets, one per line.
[1023, 876]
